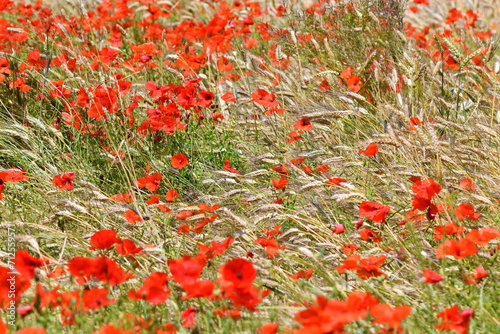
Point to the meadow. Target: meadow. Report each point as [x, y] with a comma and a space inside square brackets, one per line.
[229, 166]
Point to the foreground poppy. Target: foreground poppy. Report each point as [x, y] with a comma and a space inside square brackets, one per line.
[374, 211]
[371, 150]
[453, 320]
[179, 161]
[64, 181]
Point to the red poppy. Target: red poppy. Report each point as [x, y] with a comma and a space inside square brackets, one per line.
[426, 189]
[179, 161]
[371, 150]
[365, 268]
[369, 234]
[303, 124]
[280, 184]
[103, 239]
[154, 289]
[335, 181]
[151, 182]
[374, 211]
[452, 319]
[477, 277]
[188, 316]
[338, 229]
[431, 276]
[238, 273]
[132, 217]
[199, 289]
[294, 136]
[153, 199]
[467, 184]
[348, 249]
[64, 181]
[127, 247]
[228, 97]
[31, 330]
[228, 167]
[172, 195]
[482, 236]
[204, 99]
[385, 315]
[306, 274]
[449, 228]
[185, 270]
[26, 264]
[270, 245]
[458, 249]
[268, 329]
[125, 198]
[466, 210]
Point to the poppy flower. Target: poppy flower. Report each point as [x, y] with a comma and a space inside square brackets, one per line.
[365, 268]
[204, 99]
[482, 236]
[103, 239]
[270, 328]
[179, 161]
[164, 208]
[294, 136]
[64, 181]
[153, 199]
[467, 184]
[199, 289]
[270, 245]
[171, 195]
[371, 150]
[348, 249]
[432, 276]
[426, 189]
[154, 289]
[150, 182]
[185, 270]
[338, 229]
[453, 320]
[127, 247]
[476, 277]
[335, 181]
[448, 229]
[188, 316]
[124, 198]
[228, 97]
[374, 211]
[26, 264]
[303, 124]
[466, 210]
[279, 184]
[238, 273]
[369, 234]
[228, 167]
[306, 274]
[132, 217]
[392, 317]
[459, 249]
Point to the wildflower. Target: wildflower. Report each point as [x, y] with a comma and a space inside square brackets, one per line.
[306, 274]
[431, 276]
[374, 211]
[370, 151]
[64, 181]
[453, 320]
[303, 124]
[179, 161]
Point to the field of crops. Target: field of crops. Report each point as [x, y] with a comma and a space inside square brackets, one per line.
[229, 166]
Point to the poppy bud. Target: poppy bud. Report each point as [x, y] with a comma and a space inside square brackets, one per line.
[144, 58]
[359, 223]
[338, 229]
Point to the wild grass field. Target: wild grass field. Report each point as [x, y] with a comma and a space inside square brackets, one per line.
[263, 167]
